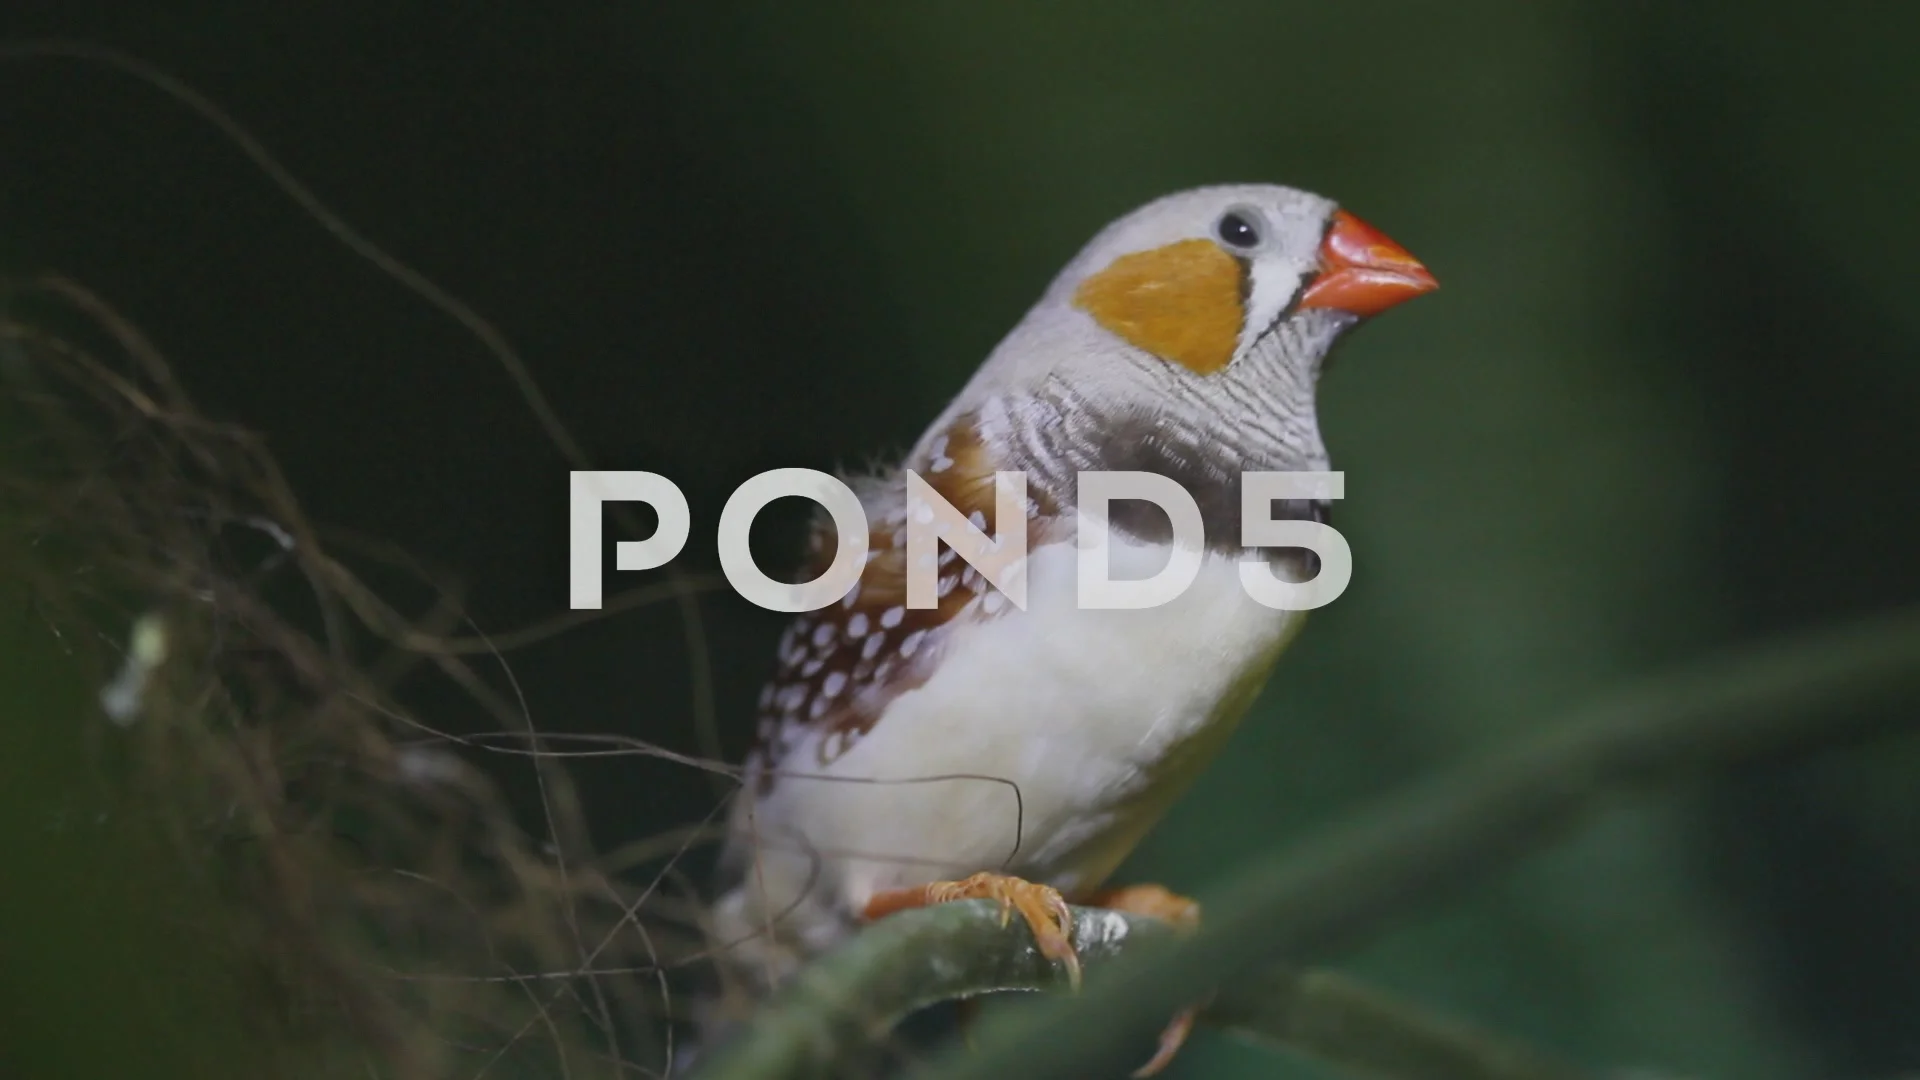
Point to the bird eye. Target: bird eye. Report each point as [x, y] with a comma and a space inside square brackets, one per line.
[1236, 231]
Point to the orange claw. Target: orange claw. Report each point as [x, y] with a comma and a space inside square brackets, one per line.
[1156, 902]
[1042, 906]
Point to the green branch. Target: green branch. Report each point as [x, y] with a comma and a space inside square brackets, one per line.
[1303, 903]
[844, 1003]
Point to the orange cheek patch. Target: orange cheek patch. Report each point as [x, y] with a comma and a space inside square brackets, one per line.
[1180, 302]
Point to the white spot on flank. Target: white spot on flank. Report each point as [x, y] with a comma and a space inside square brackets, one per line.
[979, 520]
[993, 601]
[819, 706]
[891, 617]
[822, 635]
[836, 681]
[911, 643]
[941, 464]
[873, 645]
[857, 625]
[811, 667]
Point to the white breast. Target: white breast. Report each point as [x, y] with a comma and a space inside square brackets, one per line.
[1077, 709]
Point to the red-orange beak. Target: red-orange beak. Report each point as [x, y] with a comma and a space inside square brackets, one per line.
[1363, 272]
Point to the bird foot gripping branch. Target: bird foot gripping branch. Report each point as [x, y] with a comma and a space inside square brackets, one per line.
[1049, 918]
[1044, 909]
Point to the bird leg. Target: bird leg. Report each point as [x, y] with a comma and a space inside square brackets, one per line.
[1042, 906]
[1154, 901]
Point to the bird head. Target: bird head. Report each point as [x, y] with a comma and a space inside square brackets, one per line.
[1187, 338]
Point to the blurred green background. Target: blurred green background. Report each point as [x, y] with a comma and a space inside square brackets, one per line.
[1666, 399]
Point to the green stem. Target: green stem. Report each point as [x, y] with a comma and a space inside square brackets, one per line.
[845, 1002]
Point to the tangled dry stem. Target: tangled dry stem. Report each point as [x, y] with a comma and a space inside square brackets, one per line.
[364, 862]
